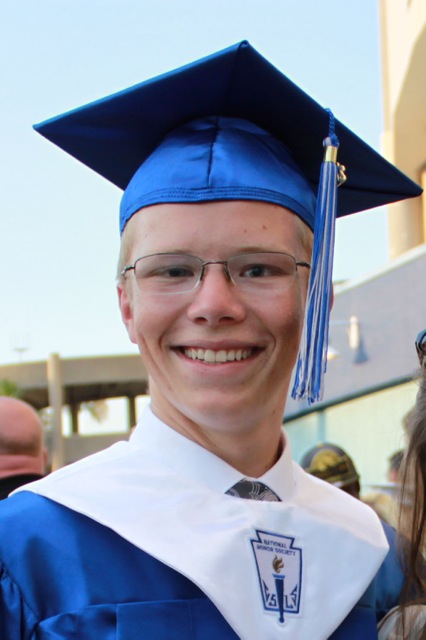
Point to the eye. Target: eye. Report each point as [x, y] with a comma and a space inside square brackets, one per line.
[256, 271]
[174, 271]
[262, 270]
[167, 269]
[270, 268]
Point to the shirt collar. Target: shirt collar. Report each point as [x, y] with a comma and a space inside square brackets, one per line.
[189, 458]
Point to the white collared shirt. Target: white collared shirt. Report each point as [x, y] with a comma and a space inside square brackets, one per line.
[189, 458]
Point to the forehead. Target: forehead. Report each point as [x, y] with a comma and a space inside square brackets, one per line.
[215, 226]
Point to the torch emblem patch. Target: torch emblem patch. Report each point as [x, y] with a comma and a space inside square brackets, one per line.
[279, 568]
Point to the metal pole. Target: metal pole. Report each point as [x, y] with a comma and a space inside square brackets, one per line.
[56, 398]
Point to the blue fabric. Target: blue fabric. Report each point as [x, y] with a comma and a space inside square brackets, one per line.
[116, 134]
[219, 159]
[390, 578]
[63, 576]
[166, 620]
[360, 624]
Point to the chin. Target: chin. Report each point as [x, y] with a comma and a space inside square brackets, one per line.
[226, 415]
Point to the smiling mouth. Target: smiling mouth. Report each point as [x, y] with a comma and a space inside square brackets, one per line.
[218, 357]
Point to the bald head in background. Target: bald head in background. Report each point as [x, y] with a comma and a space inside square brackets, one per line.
[22, 452]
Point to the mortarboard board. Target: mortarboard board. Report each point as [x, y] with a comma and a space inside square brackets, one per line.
[154, 141]
[114, 135]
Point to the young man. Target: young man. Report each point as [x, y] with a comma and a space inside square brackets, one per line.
[201, 526]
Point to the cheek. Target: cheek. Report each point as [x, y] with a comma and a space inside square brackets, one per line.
[145, 324]
[153, 320]
[125, 303]
[288, 320]
[301, 293]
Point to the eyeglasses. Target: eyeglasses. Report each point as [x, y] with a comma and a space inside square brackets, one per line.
[421, 345]
[168, 273]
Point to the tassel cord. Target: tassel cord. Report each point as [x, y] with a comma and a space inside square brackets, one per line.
[312, 361]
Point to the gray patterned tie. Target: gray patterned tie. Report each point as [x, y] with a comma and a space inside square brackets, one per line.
[253, 490]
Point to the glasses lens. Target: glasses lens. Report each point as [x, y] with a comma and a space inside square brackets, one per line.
[266, 271]
[167, 273]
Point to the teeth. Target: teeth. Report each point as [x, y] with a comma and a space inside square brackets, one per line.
[211, 357]
[221, 356]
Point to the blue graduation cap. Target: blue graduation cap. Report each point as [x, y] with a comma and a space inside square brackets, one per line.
[232, 127]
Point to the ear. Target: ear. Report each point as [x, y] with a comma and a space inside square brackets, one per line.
[126, 308]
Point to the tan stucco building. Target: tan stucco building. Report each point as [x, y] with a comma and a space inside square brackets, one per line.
[403, 51]
[57, 382]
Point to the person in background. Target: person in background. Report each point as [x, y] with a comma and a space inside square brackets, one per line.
[201, 525]
[332, 464]
[408, 621]
[23, 455]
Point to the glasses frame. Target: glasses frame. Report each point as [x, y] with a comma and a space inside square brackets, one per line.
[421, 345]
[203, 265]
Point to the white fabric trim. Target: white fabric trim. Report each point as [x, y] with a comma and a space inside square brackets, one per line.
[173, 511]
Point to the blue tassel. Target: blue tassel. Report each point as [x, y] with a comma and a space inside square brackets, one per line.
[312, 359]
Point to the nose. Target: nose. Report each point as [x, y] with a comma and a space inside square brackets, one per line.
[216, 299]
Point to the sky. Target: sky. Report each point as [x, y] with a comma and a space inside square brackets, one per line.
[59, 238]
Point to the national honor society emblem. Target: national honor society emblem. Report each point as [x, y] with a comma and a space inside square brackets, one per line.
[279, 568]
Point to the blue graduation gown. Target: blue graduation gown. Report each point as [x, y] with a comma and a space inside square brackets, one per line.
[65, 576]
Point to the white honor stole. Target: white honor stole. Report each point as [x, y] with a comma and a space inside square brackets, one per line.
[275, 570]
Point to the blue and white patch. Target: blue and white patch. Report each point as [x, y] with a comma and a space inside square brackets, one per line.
[279, 568]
